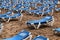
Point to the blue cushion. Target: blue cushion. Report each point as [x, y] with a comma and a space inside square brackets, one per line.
[14, 2]
[26, 5]
[42, 21]
[18, 6]
[1, 16]
[48, 10]
[1, 7]
[47, 18]
[57, 9]
[8, 13]
[5, 15]
[24, 34]
[57, 29]
[28, 1]
[56, 1]
[24, 9]
[32, 22]
[17, 37]
[13, 16]
[39, 12]
[40, 38]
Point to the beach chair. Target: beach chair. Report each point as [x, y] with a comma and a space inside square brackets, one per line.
[2, 16]
[42, 11]
[23, 35]
[40, 38]
[56, 1]
[17, 15]
[56, 31]
[32, 11]
[35, 2]
[17, 7]
[37, 11]
[48, 20]
[14, 2]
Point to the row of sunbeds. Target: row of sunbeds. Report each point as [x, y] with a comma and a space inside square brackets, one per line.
[25, 5]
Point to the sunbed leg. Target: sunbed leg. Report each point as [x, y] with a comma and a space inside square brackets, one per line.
[8, 20]
[1, 27]
[47, 38]
[41, 15]
[38, 25]
[21, 17]
[4, 19]
[21, 10]
[34, 26]
[0, 10]
[52, 22]
[30, 37]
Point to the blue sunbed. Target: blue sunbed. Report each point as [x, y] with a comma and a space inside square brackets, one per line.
[46, 20]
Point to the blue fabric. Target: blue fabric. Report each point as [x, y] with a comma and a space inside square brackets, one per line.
[57, 29]
[40, 38]
[4, 15]
[40, 7]
[39, 12]
[24, 9]
[57, 9]
[14, 2]
[20, 36]
[17, 37]
[26, 5]
[47, 11]
[9, 6]
[13, 16]
[1, 7]
[42, 21]
[17, 7]
[56, 1]
[1, 16]
[27, 1]
[8, 13]
[7, 1]
[24, 34]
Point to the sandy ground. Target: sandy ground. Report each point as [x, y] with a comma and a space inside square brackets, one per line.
[14, 27]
